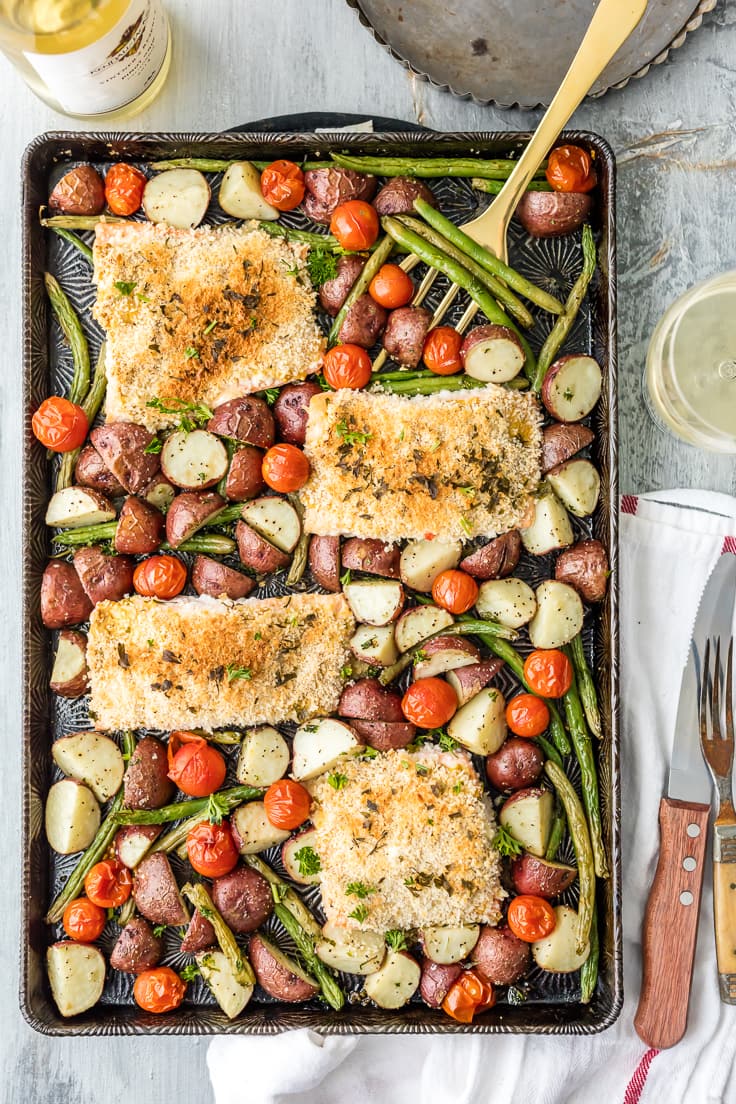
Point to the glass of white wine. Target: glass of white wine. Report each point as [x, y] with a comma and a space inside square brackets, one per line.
[103, 59]
[691, 366]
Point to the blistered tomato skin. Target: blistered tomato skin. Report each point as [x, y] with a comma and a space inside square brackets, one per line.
[287, 804]
[355, 224]
[108, 884]
[211, 849]
[570, 169]
[391, 287]
[282, 185]
[429, 703]
[347, 366]
[527, 715]
[159, 990]
[124, 186]
[84, 921]
[455, 591]
[467, 996]
[531, 918]
[60, 425]
[548, 672]
[197, 768]
[285, 468]
[441, 352]
[160, 577]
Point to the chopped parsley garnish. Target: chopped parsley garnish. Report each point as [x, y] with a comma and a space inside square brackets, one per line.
[257, 636]
[434, 446]
[270, 395]
[469, 492]
[396, 940]
[345, 577]
[466, 526]
[506, 843]
[457, 788]
[143, 298]
[308, 861]
[216, 810]
[353, 436]
[190, 353]
[368, 753]
[337, 780]
[190, 972]
[401, 435]
[234, 673]
[422, 768]
[210, 326]
[321, 266]
[124, 287]
[359, 889]
[191, 415]
[346, 672]
[568, 394]
[159, 930]
[154, 446]
[446, 742]
[360, 914]
[419, 655]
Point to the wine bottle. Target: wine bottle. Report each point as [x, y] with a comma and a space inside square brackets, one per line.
[104, 59]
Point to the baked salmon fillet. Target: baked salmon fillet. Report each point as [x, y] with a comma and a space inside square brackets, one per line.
[200, 316]
[205, 663]
[417, 831]
[459, 464]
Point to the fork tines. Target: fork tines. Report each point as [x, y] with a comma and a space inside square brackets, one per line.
[718, 746]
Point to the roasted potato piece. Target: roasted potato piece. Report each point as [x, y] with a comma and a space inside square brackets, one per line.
[403, 338]
[156, 893]
[585, 568]
[278, 975]
[397, 196]
[177, 197]
[92, 758]
[470, 680]
[160, 492]
[371, 556]
[384, 735]
[92, 471]
[561, 442]
[245, 474]
[133, 842]
[368, 700]
[364, 322]
[189, 512]
[72, 816]
[496, 559]
[247, 419]
[327, 188]
[552, 214]
[122, 447]
[69, 676]
[436, 981]
[540, 877]
[104, 577]
[572, 387]
[517, 764]
[147, 784]
[500, 957]
[217, 579]
[75, 507]
[256, 552]
[243, 898]
[76, 976]
[199, 935]
[194, 460]
[334, 292]
[140, 528]
[79, 192]
[64, 600]
[291, 409]
[137, 948]
[324, 561]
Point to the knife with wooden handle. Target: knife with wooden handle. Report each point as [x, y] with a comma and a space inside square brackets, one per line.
[671, 918]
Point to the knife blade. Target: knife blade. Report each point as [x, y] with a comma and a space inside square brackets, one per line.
[674, 898]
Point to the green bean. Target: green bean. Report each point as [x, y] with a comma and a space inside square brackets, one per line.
[586, 687]
[557, 831]
[201, 164]
[71, 327]
[224, 802]
[470, 627]
[429, 167]
[91, 407]
[589, 969]
[488, 260]
[299, 557]
[459, 275]
[583, 746]
[549, 750]
[226, 516]
[96, 850]
[286, 895]
[563, 325]
[493, 187]
[304, 944]
[309, 237]
[86, 534]
[583, 851]
[428, 386]
[177, 836]
[72, 238]
[200, 898]
[213, 544]
[497, 288]
[78, 222]
[370, 268]
[126, 912]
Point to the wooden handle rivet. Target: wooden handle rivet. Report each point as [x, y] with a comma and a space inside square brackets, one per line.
[686, 897]
[689, 863]
[693, 830]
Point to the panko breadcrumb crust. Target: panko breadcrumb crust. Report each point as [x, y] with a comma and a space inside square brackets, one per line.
[414, 831]
[200, 316]
[456, 465]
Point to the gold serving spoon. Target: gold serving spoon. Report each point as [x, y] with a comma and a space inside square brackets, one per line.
[611, 25]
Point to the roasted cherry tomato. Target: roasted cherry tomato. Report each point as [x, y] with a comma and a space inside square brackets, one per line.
[211, 849]
[60, 425]
[570, 169]
[347, 366]
[124, 186]
[455, 591]
[391, 287]
[160, 577]
[548, 672]
[467, 996]
[287, 804]
[282, 185]
[441, 351]
[108, 884]
[527, 715]
[83, 921]
[197, 768]
[159, 990]
[285, 468]
[355, 224]
[429, 703]
[531, 918]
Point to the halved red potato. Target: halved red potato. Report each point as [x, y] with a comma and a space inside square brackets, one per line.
[418, 623]
[243, 898]
[406, 329]
[264, 757]
[240, 193]
[496, 559]
[122, 446]
[355, 952]
[368, 700]
[80, 191]
[500, 957]
[92, 758]
[324, 561]
[137, 948]
[334, 292]
[480, 724]
[91, 470]
[247, 419]
[541, 877]
[76, 973]
[449, 944]
[375, 645]
[199, 936]
[384, 735]
[217, 579]
[160, 492]
[327, 188]
[72, 816]
[509, 601]
[219, 976]
[189, 512]
[375, 601]
[577, 484]
[193, 460]
[561, 442]
[374, 557]
[396, 982]
[64, 600]
[147, 784]
[363, 323]
[275, 519]
[278, 974]
[444, 653]
[256, 552]
[140, 528]
[133, 842]
[245, 474]
[558, 953]
[559, 615]
[69, 676]
[177, 197]
[293, 864]
[104, 578]
[253, 831]
[319, 744]
[156, 892]
[291, 409]
[73, 507]
[421, 561]
[550, 528]
[528, 816]
[436, 981]
[572, 387]
[516, 765]
[492, 354]
[585, 567]
[552, 214]
[469, 681]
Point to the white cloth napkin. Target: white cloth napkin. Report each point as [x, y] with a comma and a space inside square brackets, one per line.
[670, 542]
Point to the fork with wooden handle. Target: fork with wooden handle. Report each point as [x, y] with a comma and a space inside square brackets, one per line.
[718, 752]
[611, 25]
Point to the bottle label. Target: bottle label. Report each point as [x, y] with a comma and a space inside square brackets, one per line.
[115, 69]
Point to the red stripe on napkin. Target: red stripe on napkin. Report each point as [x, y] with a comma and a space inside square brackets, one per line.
[636, 1085]
[629, 504]
[729, 545]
